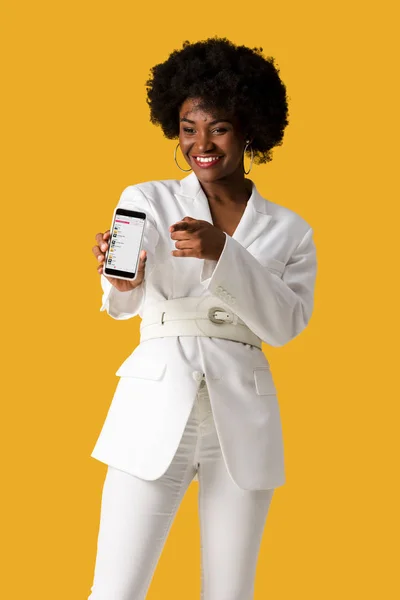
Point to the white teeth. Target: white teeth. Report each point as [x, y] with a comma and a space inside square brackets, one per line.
[210, 159]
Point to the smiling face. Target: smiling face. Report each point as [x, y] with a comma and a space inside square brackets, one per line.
[212, 143]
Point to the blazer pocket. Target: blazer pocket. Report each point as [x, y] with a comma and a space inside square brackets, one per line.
[142, 370]
[263, 381]
[274, 265]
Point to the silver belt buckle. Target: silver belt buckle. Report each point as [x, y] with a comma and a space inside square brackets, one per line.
[216, 309]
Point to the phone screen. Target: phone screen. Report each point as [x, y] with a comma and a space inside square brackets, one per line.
[125, 241]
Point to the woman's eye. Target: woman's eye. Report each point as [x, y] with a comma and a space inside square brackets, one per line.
[190, 129]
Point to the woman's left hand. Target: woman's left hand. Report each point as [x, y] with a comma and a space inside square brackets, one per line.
[197, 238]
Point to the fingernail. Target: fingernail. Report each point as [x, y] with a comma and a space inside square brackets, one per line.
[100, 257]
[104, 246]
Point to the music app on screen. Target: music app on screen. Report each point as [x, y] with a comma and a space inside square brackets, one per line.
[124, 243]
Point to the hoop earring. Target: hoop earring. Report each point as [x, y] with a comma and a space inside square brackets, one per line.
[252, 157]
[186, 170]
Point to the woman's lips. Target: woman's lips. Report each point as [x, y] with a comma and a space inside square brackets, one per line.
[208, 164]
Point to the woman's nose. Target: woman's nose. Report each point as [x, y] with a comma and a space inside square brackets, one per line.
[203, 143]
[204, 148]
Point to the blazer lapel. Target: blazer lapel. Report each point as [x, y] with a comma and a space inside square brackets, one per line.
[254, 220]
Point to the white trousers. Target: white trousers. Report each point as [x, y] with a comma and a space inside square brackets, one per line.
[136, 516]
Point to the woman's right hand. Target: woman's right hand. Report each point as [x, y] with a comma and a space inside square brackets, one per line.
[123, 285]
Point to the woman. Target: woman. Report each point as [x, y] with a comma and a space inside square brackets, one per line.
[222, 270]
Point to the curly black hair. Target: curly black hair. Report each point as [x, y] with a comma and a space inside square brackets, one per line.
[224, 76]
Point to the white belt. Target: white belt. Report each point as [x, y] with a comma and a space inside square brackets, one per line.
[194, 316]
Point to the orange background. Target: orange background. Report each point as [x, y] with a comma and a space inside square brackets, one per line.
[75, 132]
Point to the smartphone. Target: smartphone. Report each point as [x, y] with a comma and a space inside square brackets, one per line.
[125, 243]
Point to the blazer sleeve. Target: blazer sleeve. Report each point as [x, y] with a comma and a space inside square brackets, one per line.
[124, 305]
[274, 308]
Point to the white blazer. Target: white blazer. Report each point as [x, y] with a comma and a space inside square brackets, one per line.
[266, 275]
